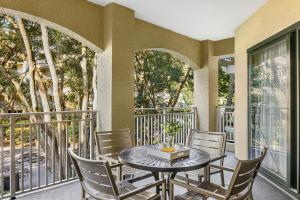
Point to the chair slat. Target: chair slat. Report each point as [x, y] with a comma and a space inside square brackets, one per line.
[111, 142]
[207, 143]
[99, 187]
[110, 149]
[237, 189]
[95, 167]
[208, 137]
[103, 179]
[248, 167]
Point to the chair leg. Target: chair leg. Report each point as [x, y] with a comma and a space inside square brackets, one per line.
[187, 178]
[222, 178]
[164, 192]
[171, 191]
[82, 194]
[199, 178]
[250, 196]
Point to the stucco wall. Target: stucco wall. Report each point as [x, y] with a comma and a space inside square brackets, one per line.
[78, 18]
[273, 17]
[149, 36]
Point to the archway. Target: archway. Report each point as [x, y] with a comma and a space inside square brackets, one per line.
[43, 72]
[163, 95]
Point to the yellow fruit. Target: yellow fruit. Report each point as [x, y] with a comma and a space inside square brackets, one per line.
[168, 149]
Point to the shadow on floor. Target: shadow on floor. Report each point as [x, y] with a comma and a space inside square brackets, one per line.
[262, 190]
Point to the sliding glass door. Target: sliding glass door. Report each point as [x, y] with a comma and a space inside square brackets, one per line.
[269, 105]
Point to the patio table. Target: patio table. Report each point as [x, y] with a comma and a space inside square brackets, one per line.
[137, 157]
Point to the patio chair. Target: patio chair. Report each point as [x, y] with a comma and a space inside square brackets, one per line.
[110, 144]
[211, 142]
[97, 182]
[240, 186]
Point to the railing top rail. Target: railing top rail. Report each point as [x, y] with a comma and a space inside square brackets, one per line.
[226, 107]
[161, 114]
[166, 108]
[46, 113]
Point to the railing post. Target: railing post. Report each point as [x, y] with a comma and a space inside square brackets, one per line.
[12, 158]
[164, 122]
[194, 118]
[92, 125]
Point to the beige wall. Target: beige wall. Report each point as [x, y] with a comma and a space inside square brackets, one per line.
[78, 18]
[149, 36]
[270, 19]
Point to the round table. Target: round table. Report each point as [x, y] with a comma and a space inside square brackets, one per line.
[138, 158]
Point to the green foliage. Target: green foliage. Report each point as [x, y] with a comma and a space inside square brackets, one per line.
[172, 128]
[66, 53]
[158, 77]
[19, 133]
[224, 81]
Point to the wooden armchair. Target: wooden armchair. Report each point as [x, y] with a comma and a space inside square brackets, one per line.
[97, 182]
[211, 142]
[240, 186]
[110, 144]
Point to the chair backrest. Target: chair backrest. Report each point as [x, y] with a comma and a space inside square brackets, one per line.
[243, 177]
[211, 142]
[95, 176]
[110, 143]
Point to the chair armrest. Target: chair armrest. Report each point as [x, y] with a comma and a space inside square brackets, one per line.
[116, 165]
[144, 188]
[221, 167]
[218, 158]
[109, 159]
[197, 189]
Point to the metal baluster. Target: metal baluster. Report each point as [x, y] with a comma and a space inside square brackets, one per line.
[91, 136]
[12, 158]
[53, 154]
[30, 156]
[144, 134]
[79, 137]
[2, 161]
[38, 155]
[59, 150]
[66, 150]
[46, 154]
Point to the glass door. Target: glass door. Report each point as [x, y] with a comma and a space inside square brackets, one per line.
[269, 106]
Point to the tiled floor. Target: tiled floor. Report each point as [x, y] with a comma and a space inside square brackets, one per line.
[262, 190]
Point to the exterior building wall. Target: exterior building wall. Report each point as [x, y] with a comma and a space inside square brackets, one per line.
[273, 17]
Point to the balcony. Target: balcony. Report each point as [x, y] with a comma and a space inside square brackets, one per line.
[33, 167]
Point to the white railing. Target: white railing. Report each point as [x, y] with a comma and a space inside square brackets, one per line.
[33, 148]
[149, 123]
[225, 121]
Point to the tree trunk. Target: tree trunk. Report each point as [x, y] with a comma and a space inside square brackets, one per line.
[95, 92]
[173, 101]
[30, 63]
[57, 101]
[52, 69]
[231, 90]
[84, 105]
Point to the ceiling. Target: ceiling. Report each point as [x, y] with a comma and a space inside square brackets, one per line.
[198, 19]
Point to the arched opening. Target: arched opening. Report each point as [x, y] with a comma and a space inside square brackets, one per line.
[163, 95]
[48, 87]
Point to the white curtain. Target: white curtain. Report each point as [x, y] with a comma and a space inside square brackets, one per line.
[269, 105]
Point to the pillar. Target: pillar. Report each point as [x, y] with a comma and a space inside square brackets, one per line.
[116, 72]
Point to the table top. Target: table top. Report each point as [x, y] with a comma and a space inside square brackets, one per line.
[137, 157]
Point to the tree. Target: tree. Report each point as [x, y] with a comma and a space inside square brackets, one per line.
[160, 79]
[226, 81]
[41, 64]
